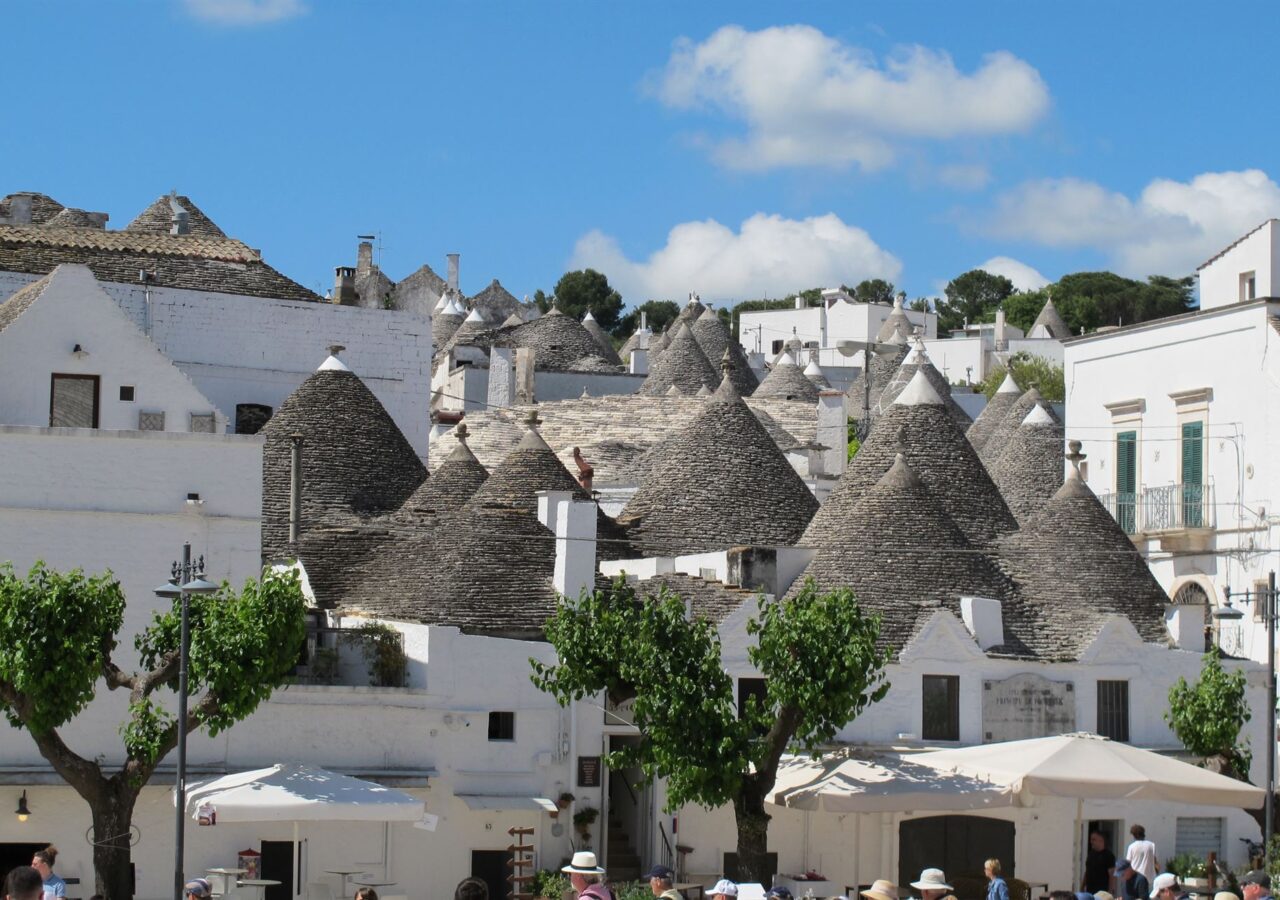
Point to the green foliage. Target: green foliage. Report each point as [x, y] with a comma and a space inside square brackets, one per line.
[1208, 716]
[1030, 371]
[1187, 865]
[583, 290]
[851, 432]
[1022, 308]
[972, 297]
[874, 290]
[920, 304]
[658, 313]
[549, 883]
[584, 818]
[383, 649]
[817, 653]
[633, 890]
[56, 632]
[1088, 300]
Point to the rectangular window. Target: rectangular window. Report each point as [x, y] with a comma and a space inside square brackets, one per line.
[1127, 480]
[1193, 474]
[748, 688]
[1248, 286]
[1113, 710]
[126, 393]
[1198, 835]
[940, 708]
[502, 726]
[73, 401]
[777, 347]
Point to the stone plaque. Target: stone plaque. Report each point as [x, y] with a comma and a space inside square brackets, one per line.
[1027, 706]
[588, 771]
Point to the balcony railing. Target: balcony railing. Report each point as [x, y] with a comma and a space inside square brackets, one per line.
[1166, 508]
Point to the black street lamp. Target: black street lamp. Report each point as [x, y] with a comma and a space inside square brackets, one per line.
[1227, 612]
[185, 579]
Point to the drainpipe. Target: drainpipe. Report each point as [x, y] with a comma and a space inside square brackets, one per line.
[295, 487]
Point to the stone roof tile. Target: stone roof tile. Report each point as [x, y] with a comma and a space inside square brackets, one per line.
[715, 339]
[681, 365]
[786, 381]
[995, 410]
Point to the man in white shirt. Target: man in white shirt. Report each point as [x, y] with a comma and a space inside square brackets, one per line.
[1142, 853]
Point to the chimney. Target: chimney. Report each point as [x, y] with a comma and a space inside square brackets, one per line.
[984, 619]
[524, 376]
[639, 362]
[502, 377]
[295, 487]
[833, 432]
[453, 272]
[799, 302]
[17, 211]
[364, 258]
[179, 218]
[1001, 339]
[344, 285]
[575, 528]
[549, 506]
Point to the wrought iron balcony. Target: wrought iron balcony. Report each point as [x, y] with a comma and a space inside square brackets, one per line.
[1167, 508]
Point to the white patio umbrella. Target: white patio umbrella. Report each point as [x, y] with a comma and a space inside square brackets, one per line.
[290, 792]
[1091, 767]
[848, 781]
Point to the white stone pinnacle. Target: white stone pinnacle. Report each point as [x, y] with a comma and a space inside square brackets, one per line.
[919, 392]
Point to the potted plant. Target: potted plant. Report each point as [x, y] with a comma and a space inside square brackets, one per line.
[583, 819]
[549, 885]
[562, 802]
[1192, 871]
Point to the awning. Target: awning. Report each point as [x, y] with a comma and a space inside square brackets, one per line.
[291, 792]
[507, 802]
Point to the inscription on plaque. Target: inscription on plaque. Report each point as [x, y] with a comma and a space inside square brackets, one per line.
[1027, 706]
[588, 771]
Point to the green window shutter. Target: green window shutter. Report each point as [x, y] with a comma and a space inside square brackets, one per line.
[1193, 453]
[1126, 462]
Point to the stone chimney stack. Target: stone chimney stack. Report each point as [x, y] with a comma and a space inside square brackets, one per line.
[344, 286]
[179, 218]
[525, 360]
[575, 530]
[453, 273]
[799, 301]
[18, 210]
[364, 258]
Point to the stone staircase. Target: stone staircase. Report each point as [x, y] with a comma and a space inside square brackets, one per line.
[624, 861]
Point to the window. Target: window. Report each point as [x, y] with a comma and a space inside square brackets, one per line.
[940, 708]
[250, 417]
[126, 393]
[502, 726]
[1260, 589]
[1200, 835]
[1127, 480]
[73, 401]
[1192, 474]
[150, 421]
[1248, 286]
[777, 347]
[748, 688]
[203, 423]
[1113, 710]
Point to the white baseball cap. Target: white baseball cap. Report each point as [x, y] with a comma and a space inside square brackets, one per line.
[724, 887]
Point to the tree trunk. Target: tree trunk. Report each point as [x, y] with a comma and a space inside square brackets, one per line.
[753, 837]
[112, 812]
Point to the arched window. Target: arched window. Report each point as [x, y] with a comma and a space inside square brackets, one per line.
[250, 417]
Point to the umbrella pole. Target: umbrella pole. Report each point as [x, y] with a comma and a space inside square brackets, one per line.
[297, 861]
[1075, 842]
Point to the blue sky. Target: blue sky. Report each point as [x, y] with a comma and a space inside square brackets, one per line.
[735, 149]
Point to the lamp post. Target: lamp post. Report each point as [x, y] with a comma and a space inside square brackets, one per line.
[866, 348]
[185, 579]
[1229, 613]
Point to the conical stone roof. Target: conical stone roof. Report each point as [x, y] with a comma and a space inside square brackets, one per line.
[719, 482]
[604, 346]
[74, 218]
[354, 457]
[995, 410]
[897, 324]
[1052, 321]
[918, 426]
[715, 339]
[786, 381]
[451, 485]
[158, 218]
[559, 342]
[658, 343]
[444, 325]
[883, 368]
[624, 352]
[814, 373]
[682, 365]
[903, 556]
[1029, 470]
[918, 358]
[1004, 431]
[1075, 566]
[690, 314]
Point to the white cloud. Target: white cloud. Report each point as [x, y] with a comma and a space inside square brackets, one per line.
[809, 99]
[244, 12]
[964, 176]
[1024, 277]
[768, 255]
[1169, 228]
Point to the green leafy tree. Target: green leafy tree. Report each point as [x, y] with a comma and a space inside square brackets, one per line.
[583, 290]
[816, 651]
[1021, 308]
[1207, 717]
[1030, 371]
[874, 290]
[57, 636]
[920, 304]
[658, 313]
[972, 297]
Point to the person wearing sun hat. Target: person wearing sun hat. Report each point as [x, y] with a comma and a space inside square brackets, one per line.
[584, 874]
[932, 884]
[881, 889]
[724, 889]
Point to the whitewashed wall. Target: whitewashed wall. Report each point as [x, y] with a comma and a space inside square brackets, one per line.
[1258, 252]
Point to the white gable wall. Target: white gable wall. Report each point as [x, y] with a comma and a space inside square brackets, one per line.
[1258, 253]
[73, 309]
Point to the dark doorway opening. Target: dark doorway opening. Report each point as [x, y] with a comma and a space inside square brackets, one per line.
[278, 865]
[14, 855]
[490, 866]
[958, 845]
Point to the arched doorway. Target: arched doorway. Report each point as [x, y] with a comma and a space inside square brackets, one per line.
[958, 845]
[1189, 617]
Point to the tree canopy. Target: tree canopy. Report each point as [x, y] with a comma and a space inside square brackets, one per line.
[1207, 716]
[874, 290]
[972, 297]
[583, 290]
[1030, 371]
[658, 313]
[817, 653]
[58, 632]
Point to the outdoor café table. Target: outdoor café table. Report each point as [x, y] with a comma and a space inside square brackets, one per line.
[257, 887]
[376, 884]
[221, 880]
[344, 874]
